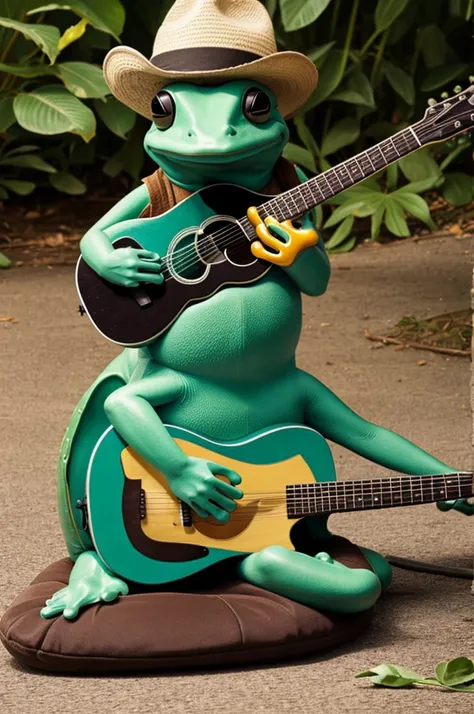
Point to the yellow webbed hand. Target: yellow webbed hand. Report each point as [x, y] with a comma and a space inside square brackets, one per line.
[288, 243]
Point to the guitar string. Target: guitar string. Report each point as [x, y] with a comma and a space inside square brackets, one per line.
[234, 233]
[345, 485]
[321, 499]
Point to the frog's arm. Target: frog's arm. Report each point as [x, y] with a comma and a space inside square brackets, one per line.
[95, 245]
[311, 270]
[131, 411]
[328, 414]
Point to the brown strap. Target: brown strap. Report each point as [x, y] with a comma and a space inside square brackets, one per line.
[164, 194]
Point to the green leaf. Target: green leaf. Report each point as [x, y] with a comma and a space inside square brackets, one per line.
[305, 135]
[4, 261]
[84, 80]
[456, 671]
[329, 79]
[7, 115]
[395, 219]
[440, 76]
[419, 166]
[432, 44]
[28, 161]
[341, 233]
[400, 82]
[319, 52]
[25, 70]
[344, 247]
[54, 110]
[299, 155]
[358, 90]
[457, 189]
[116, 116]
[296, 14]
[22, 188]
[415, 205]
[341, 134]
[45, 36]
[67, 183]
[23, 149]
[390, 675]
[106, 16]
[376, 221]
[387, 12]
[392, 176]
[422, 185]
[72, 34]
[347, 209]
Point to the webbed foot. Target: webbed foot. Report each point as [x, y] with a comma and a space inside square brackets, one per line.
[90, 582]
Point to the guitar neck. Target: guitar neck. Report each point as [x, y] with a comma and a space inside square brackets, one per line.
[301, 199]
[338, 496]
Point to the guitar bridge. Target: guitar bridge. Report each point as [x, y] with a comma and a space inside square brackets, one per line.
[142, 504]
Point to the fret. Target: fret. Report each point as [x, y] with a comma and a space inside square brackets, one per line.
[325, 178]
[349, 176]
[394, 146]
[415, 135]
[338, 179]
[314, 182]
[377, 158]
[307, 206]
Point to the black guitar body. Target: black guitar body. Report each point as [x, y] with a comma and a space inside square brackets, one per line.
[206, 248]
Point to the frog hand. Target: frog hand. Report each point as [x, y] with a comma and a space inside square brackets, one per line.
[462, 505]
[286, 245]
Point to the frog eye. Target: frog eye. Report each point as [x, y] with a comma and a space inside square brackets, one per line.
[256, 106]
[163, 110]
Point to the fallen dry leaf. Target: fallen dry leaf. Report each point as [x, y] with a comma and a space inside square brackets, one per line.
[32, 214]
[7, 318]
[456, 229]
[325, 324]
[421, 362]
[55, 241]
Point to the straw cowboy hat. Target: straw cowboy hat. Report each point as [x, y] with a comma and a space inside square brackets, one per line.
[211, 42]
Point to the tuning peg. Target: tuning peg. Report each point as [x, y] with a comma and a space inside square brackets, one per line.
[457, 89]
[432, 102]
[444, 95]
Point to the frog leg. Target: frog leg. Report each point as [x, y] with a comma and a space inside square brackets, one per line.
[90, 581]
[318, 581]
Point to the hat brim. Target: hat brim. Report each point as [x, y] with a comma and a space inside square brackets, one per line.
[134, 80]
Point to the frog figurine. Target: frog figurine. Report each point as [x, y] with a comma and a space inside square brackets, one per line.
[218, 93]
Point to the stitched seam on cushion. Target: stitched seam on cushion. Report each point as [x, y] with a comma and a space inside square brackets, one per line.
[237, 618]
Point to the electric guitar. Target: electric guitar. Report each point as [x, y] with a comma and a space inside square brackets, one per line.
[145, 535]
[205, 240]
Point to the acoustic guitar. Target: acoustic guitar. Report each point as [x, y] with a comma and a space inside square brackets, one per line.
[205, 240]
[145, 535]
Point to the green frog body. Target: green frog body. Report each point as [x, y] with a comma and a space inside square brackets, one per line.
[225, 368]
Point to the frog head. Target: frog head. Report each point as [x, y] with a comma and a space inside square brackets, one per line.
[213, 134]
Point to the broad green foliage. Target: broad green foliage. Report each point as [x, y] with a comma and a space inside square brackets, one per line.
[457, 675]
[379, 61]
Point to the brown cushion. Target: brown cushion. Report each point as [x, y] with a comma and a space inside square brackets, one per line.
[228, 621]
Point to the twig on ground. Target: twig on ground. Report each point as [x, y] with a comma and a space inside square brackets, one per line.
[417, 345]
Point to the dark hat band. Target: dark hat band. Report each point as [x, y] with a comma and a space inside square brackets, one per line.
[202, 59]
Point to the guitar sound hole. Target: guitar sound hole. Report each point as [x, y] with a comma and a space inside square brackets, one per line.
[186, 264]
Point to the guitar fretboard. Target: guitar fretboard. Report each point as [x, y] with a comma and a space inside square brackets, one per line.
[301, 199]
[338, 496]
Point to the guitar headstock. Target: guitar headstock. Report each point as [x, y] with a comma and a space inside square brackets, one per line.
[447, 118]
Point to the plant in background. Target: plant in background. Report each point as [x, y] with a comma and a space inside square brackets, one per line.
[58, 101]
[379, 62]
